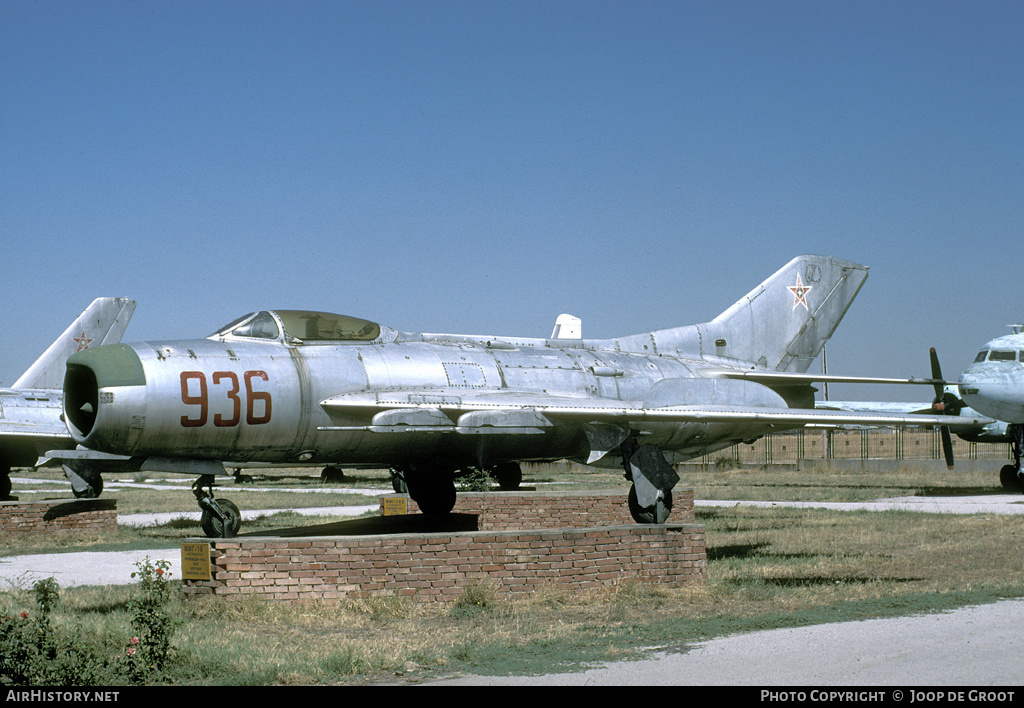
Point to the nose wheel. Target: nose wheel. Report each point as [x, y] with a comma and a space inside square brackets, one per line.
[1010, 475]
[220, 518]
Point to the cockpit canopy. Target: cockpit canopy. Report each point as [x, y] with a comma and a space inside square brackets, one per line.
[300, 326]
[999, 355]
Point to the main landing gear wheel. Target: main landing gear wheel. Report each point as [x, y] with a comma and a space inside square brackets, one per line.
[432, 487]
[1010, 480]
[656, 514]
[1010, 475]
[92, 491]
[332, 475]
[652, 477]
[398, 482]
[86, 480]
[509, 475]
[5, 483]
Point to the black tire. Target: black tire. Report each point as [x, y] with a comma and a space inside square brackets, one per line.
[433, 491]
[398, 483]
[93, 491]
[215, 528]
[646, 515]
[1009, 479]
[509, 476]
[332, 475]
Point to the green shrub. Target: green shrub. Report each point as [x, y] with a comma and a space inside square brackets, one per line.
[36, 651]
[152, 624]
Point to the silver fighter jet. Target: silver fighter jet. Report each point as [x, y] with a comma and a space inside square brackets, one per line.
[30, 411]
[301, 387]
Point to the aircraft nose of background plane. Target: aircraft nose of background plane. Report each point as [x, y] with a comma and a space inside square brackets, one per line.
[993, 390]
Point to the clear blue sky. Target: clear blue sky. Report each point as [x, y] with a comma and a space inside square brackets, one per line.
[481, 167]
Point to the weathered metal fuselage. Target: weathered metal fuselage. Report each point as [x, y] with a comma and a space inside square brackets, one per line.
[289, 386]
[260, 401]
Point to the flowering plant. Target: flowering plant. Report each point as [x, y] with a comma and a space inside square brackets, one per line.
[151, 622]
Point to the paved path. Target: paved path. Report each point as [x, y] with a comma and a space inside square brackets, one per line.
[978, 504]
[972, 646]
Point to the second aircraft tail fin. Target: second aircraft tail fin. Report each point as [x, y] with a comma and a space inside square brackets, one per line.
[103, 322]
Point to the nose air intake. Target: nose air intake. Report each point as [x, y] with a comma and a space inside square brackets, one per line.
[81, 399]
[88, 372]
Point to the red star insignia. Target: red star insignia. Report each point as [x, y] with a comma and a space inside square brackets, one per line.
[800, 292]
[83, 341]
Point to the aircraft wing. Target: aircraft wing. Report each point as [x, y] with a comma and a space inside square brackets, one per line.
[9, 429]
[462, 412]
[782, 378]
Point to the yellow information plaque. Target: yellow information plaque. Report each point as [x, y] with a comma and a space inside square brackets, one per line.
[195, 561]
[395, 506]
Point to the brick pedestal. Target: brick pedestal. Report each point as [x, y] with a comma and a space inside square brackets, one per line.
[53, 515]
[435, 559]
[499, 511]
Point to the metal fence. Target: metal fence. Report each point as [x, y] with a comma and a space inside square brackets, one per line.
[867, 444]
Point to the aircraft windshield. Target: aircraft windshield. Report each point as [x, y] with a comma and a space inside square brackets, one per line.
[260, 325]
[999, 355]
[323, 326]
[302, 325]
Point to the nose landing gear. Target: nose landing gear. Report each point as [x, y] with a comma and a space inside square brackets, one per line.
[221, 518]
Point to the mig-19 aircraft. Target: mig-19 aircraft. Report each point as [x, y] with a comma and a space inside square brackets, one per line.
[30, 410]
[299, 387]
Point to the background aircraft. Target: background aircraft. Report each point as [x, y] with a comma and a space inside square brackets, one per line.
[30, 411]
[302, 387]
[994, 386]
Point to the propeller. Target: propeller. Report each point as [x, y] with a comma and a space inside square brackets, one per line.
[946, 404]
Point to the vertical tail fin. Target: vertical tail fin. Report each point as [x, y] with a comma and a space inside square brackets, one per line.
[780, 325]
[783, 323]
[103, 322]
